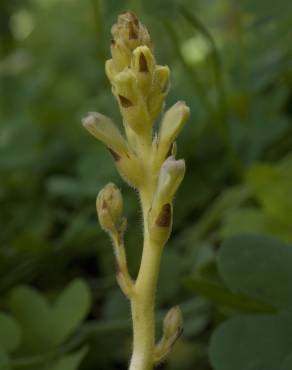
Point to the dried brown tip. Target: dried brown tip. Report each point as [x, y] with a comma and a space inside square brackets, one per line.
[133, 18]
[115, 155]
[125, 102]
[164, 217]
[143, 67]
[133, 35]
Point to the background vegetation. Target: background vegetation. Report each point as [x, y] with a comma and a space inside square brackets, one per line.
[60, 305]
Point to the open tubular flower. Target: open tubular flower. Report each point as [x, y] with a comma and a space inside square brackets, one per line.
[145, 160]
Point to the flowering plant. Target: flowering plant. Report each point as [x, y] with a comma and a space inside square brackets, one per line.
[146, 161]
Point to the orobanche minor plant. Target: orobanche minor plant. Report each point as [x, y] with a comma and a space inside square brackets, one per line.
[146, 161]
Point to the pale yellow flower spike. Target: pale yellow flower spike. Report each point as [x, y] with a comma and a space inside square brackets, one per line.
[145, 160]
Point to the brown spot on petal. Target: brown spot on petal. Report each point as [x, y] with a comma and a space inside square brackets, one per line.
[113, 42]
[125, 102]
[143, 67]
[164, 217]
[115, 155]
[104, 204]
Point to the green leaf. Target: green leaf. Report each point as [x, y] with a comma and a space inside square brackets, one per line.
[34, 315]
[221, 295]
[272, 187]
[9, 332]
[251, 343]
[258, 266]
[244, 220]
[256, 221]
[46, 326]
[70, 309]
[69, 362]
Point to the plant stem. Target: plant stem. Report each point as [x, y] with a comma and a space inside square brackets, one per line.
[143, 301]
[143, 311]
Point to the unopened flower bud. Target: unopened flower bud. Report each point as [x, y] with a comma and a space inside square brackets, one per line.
[125, 88]
[171, 125]
[106, 131]
[143, 60]
[130, 31]
[109, 206]
[132, 105]
[173, 323]
[143, 64]
[171, 175]
[161, 78]
[159, 90]
[160, 215]
[121, 55]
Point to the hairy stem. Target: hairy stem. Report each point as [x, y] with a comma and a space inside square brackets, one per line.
[143, 301]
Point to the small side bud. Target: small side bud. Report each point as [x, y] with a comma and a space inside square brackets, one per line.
[106, 131]
[109, 206]
[171, 125]
[173, 323]
[172, 330]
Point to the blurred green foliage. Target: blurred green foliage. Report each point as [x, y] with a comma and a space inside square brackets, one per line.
[231, 62]
[259, 341]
